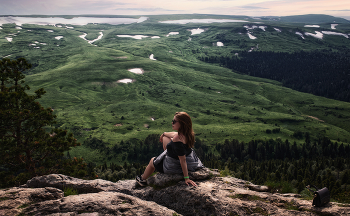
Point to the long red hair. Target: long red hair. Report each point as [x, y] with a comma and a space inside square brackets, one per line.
[186, 127]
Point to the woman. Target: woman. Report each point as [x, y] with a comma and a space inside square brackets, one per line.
[178, 156]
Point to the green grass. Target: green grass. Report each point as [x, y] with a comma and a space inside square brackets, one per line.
[68, 191]
[81, 82]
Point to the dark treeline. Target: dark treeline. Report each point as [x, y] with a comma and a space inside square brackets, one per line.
[135, 150]
[289, 166]
[323, 73]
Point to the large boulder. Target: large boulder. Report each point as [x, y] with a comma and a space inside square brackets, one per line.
[14, 200]
[62, 181]
[102, 203]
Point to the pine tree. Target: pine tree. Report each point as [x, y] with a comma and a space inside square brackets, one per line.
[26, 148]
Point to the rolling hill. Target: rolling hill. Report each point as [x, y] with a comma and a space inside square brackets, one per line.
[112, 90]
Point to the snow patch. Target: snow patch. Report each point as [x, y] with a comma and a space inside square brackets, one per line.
[153, 37]
[17, 27]
[333, 26]
[69, 27]
[58, 37]
[301, 35]
[253, 27]
[263, 27]
[185, 21]
[136, 70]
[318, 34]
[172, 33]
[251, 36]
[152, 57]
[219, 43]
[196, 31]
[125, 81]
[138, 37]
[9, 39]
[278, 30]
[189, 39]
[335, 33]
[50, 30]
[312, 26]
[91, 41]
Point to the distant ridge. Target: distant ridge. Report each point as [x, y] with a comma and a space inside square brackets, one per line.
[309, 18]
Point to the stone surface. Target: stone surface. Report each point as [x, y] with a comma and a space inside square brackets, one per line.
[163, 180]
[14, 200]
[102, 203]
[213, 196]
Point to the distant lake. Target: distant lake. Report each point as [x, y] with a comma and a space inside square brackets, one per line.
[185, 21]
[75, 21]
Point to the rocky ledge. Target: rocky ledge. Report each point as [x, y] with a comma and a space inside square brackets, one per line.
[166, 195]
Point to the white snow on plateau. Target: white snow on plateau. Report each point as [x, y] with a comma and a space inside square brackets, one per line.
[251, 36]
[69, 27]
[17, 27]
[263, 27]
[301, 35]
[138, 37]
[50, 30]
[153, 37]
[333, 26]
[172, 33]
[253, 27]
[278, 30]
[196, 31]
[152, 57]
[136, 70]
[91, 41]
[185, 21]
[318, 34]
[312, 26]
[59, 26]
[9, 39]
[334, 33]
[58, 37]
[219, 44]
[125, 81]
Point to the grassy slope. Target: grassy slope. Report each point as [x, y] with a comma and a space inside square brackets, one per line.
[80, 80]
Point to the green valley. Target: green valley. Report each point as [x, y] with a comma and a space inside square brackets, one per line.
[85, 83]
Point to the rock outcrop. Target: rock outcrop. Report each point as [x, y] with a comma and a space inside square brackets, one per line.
[167, 195]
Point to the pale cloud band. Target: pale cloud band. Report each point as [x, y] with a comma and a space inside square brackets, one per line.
[154, 7]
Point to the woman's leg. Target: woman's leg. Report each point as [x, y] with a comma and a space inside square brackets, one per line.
[166, 140]
[149, 170]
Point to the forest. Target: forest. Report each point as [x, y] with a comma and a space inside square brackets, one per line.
[322, 72]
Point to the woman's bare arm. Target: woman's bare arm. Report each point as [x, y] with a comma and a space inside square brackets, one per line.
[170, 135]
[185, 171]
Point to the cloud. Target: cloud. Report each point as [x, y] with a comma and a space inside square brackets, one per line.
[340, 10]
[146, 9]
[248, 7]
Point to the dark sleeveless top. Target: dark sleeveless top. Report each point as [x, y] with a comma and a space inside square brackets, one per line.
[176, 149]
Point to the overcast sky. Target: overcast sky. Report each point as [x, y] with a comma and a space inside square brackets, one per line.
[339, 8]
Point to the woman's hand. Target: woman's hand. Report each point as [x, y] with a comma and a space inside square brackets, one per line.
[161, 138]
[190, 182]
